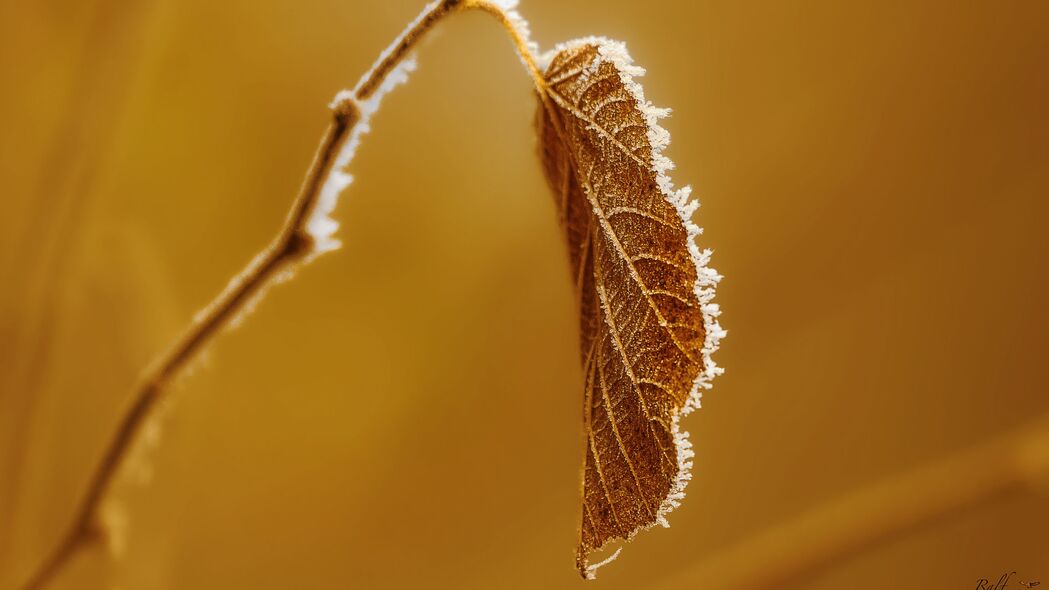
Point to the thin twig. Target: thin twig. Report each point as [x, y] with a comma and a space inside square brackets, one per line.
[870, 517]
[293, 245]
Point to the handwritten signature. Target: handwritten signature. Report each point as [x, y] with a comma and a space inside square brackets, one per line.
[1003, 582]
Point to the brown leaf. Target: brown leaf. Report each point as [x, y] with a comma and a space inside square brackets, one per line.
[647, 325]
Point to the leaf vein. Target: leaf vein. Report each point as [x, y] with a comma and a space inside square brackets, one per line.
[634, 273]
[615, 428]
[563, 103]
[627, 365]
[639, 212]
[662, 259]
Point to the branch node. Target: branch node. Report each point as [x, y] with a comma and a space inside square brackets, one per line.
[346, 111]
[298, 244]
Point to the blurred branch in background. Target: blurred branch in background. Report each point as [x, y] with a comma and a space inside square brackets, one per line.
[106, 67]
[869, 517]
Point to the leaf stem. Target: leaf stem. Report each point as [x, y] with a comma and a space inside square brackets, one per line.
[292, 246]
[516, 36]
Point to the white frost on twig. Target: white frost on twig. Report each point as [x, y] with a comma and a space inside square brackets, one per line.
[320, 225]
[113, 517]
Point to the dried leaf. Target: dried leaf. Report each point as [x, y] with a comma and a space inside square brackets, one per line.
[647, 324]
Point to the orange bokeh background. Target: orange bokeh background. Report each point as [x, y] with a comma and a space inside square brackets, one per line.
[406, 412]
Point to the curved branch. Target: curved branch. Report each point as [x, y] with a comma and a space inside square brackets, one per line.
[295, 244]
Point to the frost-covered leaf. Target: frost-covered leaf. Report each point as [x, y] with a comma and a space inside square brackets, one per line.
[647, 323]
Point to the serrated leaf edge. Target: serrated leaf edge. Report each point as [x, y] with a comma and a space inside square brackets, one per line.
[707, 278]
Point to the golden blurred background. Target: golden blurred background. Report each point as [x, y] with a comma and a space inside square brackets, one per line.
[406, 412]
